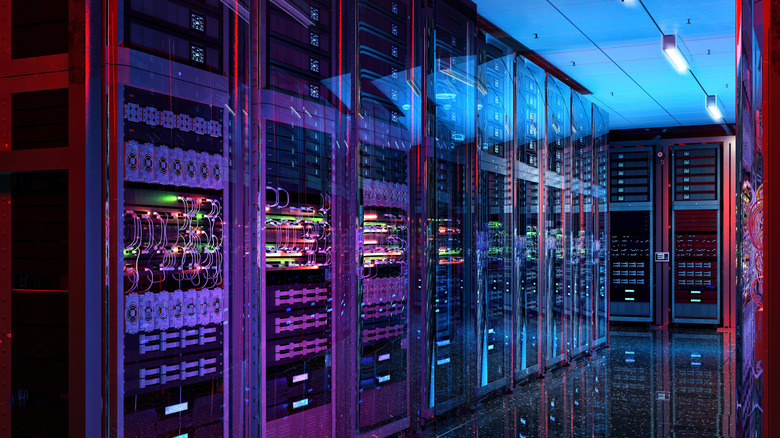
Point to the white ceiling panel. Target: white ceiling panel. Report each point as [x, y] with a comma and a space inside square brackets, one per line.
[613, 48]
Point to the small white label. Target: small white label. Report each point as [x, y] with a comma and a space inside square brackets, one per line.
[300, 377]
[173, 409]
[382, 379]
[300, 403]
[443, 361]
[384, 357]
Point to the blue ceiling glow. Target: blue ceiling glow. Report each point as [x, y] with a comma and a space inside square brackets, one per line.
[613, 48]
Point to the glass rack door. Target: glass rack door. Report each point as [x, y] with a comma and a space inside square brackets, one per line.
[493, 227]
[530, 128]
[555, 218]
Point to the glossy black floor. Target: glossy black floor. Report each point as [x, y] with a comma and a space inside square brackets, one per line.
[661, 383]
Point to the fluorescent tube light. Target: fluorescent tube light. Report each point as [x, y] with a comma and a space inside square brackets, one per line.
[714, 107]
[676, 53]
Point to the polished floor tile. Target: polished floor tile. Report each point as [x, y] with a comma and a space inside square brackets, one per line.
[662, 383]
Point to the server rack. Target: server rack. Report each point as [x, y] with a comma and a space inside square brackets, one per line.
[529, 304]
[557, 214]
[386, 108]
[447, 158]
[696, 219]
[299, 242]
[173, 113]
[580, 235]
[493, 224]
[601, 227]
[631, 215]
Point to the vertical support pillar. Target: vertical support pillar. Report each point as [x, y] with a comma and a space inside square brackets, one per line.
[660, 288]
[729, 239]
[346, 339]
[85, 217]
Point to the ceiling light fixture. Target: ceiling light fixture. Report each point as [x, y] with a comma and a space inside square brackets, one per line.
[677, 53]
[714, 107]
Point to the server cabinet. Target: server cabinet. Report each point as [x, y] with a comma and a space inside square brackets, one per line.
[696, 233]
[601, 238]
[528, 313]
[447, 160]
[493, 225]
[297, 239]
[556, 211]
[580, 234]
[384, 215]
[631, 234]
[175, 104]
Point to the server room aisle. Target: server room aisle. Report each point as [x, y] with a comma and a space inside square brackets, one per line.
[662, 383]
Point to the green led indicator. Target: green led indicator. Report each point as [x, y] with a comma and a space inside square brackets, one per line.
[294, 218]
[169, 199]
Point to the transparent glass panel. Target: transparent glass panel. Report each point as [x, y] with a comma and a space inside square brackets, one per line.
[493, 226]
[556, 215]
[531, 126]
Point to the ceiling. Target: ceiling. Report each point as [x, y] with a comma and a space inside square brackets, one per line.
[613, 48]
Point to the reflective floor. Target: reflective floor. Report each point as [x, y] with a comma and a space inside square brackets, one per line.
[661, 383]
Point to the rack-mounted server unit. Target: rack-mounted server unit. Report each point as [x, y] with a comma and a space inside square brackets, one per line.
[696, 233]
[631, 293]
